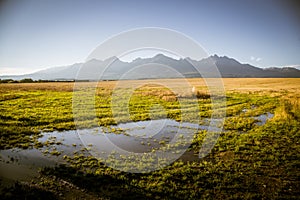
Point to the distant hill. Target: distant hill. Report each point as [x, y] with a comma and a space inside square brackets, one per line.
[159, 66]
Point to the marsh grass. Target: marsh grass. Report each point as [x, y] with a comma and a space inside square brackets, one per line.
[248, 161]
[289, 108]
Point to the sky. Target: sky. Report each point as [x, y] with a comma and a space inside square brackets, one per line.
[37, 34]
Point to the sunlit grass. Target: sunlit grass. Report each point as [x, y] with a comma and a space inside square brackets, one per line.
[249, 161]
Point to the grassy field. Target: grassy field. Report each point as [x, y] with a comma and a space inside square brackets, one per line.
[249, 160]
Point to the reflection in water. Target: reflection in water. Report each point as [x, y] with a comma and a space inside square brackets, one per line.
[262, 119]
[138, 137]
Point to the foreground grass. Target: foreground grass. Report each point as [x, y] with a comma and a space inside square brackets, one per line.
[28, 109]
[248, 161]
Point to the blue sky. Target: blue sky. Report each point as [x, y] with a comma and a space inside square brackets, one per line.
[37, 34]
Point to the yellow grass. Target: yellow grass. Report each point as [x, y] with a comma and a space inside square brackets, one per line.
[239, 84]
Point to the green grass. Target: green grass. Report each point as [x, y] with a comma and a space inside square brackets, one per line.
[248, 161]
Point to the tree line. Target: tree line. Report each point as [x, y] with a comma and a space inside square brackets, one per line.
[29, 80]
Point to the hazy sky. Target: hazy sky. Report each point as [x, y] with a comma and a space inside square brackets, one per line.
[37, 34]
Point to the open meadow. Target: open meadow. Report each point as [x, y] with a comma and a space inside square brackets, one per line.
[257, 155]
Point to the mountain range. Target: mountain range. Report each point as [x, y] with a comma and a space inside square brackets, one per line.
[159, 66]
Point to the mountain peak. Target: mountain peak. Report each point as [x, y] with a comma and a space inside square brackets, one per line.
[93, 60]
[162, 56]
[110, 59]
[159, 55]
[215, 56]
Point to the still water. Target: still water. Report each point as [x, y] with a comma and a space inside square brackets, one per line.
[137, 137]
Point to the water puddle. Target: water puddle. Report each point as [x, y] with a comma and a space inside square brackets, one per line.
[137, 137]
[23, 164]
[262, 119]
